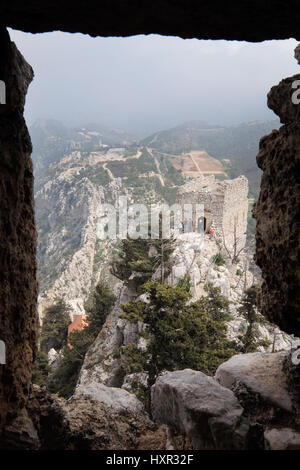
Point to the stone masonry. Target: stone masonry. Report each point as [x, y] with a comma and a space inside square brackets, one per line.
[225, 206]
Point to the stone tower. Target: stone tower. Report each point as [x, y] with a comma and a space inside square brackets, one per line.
[225, 206]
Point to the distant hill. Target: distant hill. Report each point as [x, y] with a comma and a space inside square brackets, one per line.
[52, 140]
[238, 144]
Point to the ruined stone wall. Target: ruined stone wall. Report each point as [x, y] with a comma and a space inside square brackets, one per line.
[213, 206]
[235, 211]
[18, 287]
[225, 206]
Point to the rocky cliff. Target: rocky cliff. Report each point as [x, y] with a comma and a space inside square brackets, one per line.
[68, 198]
[18, 288]
[277, 211]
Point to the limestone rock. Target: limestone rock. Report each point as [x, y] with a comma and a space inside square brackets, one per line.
[277, 234]
[49, 419]
[194, 257]
[132, 381]
[55, 360]
[102, 361]
[20, 434]
[282, 439]
[280, 100]
[52, 356]
[117, 398]
[277, 210]
[192, 403]
[261, 374]
[82, 423]
[96, 426]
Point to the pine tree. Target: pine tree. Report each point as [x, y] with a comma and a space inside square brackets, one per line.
[65, 378]
[40, 369]
[140, 258]
[248, 309]
[54, 331]
[134, 266]
[181, 335]
[98, 307]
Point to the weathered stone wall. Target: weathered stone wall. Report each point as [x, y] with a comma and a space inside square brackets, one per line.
[278, 214]
[199, 192]
[225, 206]
[235, 211]
[18, 287]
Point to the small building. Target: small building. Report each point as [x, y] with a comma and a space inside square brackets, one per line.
[225, 206]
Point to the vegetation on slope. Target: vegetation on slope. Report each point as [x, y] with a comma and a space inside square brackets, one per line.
[180, 335]
[64, 379]
[54, 331]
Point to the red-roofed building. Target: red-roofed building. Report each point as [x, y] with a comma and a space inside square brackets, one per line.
[78, 324]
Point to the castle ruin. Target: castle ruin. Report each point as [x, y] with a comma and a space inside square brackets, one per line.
[225, 206]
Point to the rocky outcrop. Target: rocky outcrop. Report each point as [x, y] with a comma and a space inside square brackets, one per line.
[280, 100]
[115, 397]
[194, 404]
[67, 208]
[80, 423]
[20, 434]
[282, 439]
[102, 361]
[252, 408]
[259, 373]
[96, 426]
[264, 386]
[195, 259]
[261, 411]
[277, 212]
[18, 288]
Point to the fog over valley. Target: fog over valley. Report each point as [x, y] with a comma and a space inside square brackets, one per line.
[144, 84]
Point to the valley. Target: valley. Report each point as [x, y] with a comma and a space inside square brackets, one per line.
[141, 303]
[78, 169]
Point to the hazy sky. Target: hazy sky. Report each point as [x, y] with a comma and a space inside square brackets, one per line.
[149, 83]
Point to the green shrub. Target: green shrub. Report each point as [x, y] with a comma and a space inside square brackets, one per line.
[248, 309]
[219, 260]
[135, 267]
[185, 283]
[54, 331]
[180, 335]
[40, 369]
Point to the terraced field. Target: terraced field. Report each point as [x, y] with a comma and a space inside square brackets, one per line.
[198, 163]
